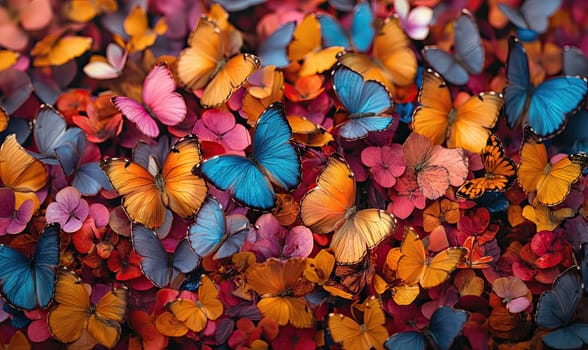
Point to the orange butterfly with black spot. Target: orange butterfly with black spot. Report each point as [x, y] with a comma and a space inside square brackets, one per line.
[499, 172]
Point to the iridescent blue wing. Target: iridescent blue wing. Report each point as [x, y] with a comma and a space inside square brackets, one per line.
[446, 65]
[44, 263]
[556, 307]
[185, 259]
[332, 34]
[273, 151]
[237, 230]
[571, 337]
[406, 340]
[519, 84]
[445, 325]
[208, 230]
[362, 27]
[273, 51]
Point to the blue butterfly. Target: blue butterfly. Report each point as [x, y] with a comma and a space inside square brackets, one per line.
[213, 232]
[52, 135]
[574, 61]
[532, 18]
[556, 309]
[365, 101]
[544, 107]
[445, 325]
[29, 284]
[469, 52]
[274, 160]
[273, 51]
[361, 33]
[157, 265]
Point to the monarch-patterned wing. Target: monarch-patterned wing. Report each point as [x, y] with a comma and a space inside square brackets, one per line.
[500, 172]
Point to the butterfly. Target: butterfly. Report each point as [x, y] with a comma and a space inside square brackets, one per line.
[15, 89]
[370, 335]
[86, 10]
[469, 52]
[273, 51]
[330, 206]
[157, 265]
[54, 50]
[416, 22]
[544, 107]
[203, 65]
[499, 172]
[108, 67]
[556, 309]
[21, 172]
[75, 314]
[274, 160]
[532, 18]
[435, 167]
[445, 325]
[213, 232]
[550, 179]
[147, 192]
[306, 132]
[414, 266]
[136, 26]
[8, 58]
[392, 62]
[467, 126]
[365, 101]
[161, 102]
[574, 61]
[361, 33]
[29, 283]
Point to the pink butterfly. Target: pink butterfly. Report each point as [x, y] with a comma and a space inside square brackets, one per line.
[160, 102]
[416, 23]
[436, 167]
[108, 67]
[513, 292]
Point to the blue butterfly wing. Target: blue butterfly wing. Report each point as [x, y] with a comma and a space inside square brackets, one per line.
[45, 261]
[154, 262]
[332, 33]
[242, 178]
[445, 325]
[468, 46]
[359, 96]
[446, 65]
[185, 259]
[362, 27]
[570, 337]
[519, 84]
[553, 100]
[273, 50]
[50, 132]
[237, 229]
[514, 15]
[89, 179]
[208, 230]
[556, 307]
[537, 13]
[359, 128]
[406, 340]
[273, 150]
[574, 61]
[18, 126]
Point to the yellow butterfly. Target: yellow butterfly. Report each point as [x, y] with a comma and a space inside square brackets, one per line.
[7, 59]
[137, 27]
[20, 172]
[308, 133]
[402, 293]
[370, 335]
[54, 50]
[467, 126]
[203, 65]
[86, 10]
[551, 181]
[75, 314]
[546, 219]
[392, 63]
[414, 266]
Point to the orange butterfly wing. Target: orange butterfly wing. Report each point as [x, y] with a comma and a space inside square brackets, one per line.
[431, 117]
[68, 320]
[111, 309]
[473, 121]
[392, 48]
[306, 38]
[195, 315]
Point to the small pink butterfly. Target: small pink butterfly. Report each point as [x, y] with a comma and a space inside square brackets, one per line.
[416, 22]
[108, 67]
[161, 102]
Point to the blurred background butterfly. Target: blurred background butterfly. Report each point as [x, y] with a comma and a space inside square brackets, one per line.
[204, 65]
[274, 160]
[445, 325]
[52, 136]
[551, 179]
[75, 315]
[147, 192]
[360, 35]
[468, 57]
[499, 172]
[16, 87]
[574, 61]
[365, 101]
[213, 232]
[29, 282]
[465, 126]
[370, 335]
[273, 51]
[107, 67]
[86, 10]
[415, 22]
[556, 311]
[159, 266]
[544, 107]
[330, 206]
[415, 266]
[160, 102]
[55, 50]
[531, 18]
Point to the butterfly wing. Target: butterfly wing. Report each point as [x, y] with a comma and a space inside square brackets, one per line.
[136, 112]
[185, 259]
[431, 117]
[574, 61]
[441, 266]
[346, 331]
[468, 46]
[411, 264]
[537, 13]
[406, 340]
[45, 261]
[374, 320]
[208, 229]
[17, 280]
[362, 27]
[159, 94]
[306, 38]
[446, 65]
[573, 336]
[111, 309]
[237, 230]
[556, 308]
[208, 297]
[445, 325]
[473, 122]
[154, 262]
[273, 50]
[519, 84]
[332, 34]
[50, 133]
[392, 48]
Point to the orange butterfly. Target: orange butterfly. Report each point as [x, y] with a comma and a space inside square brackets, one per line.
[467, 126]
[147, 192]
[474, 257]
[500, 172]
[551, 180]
[402, 293]
[203, 65]
[546, 219]
[392, 63]
[86, 10]
[330, 206]
[137, 27]
[75, 314]
[20, 172]
[8, 58]
[414, 266]
[54, 50]
[370, 335]
[308, 133]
